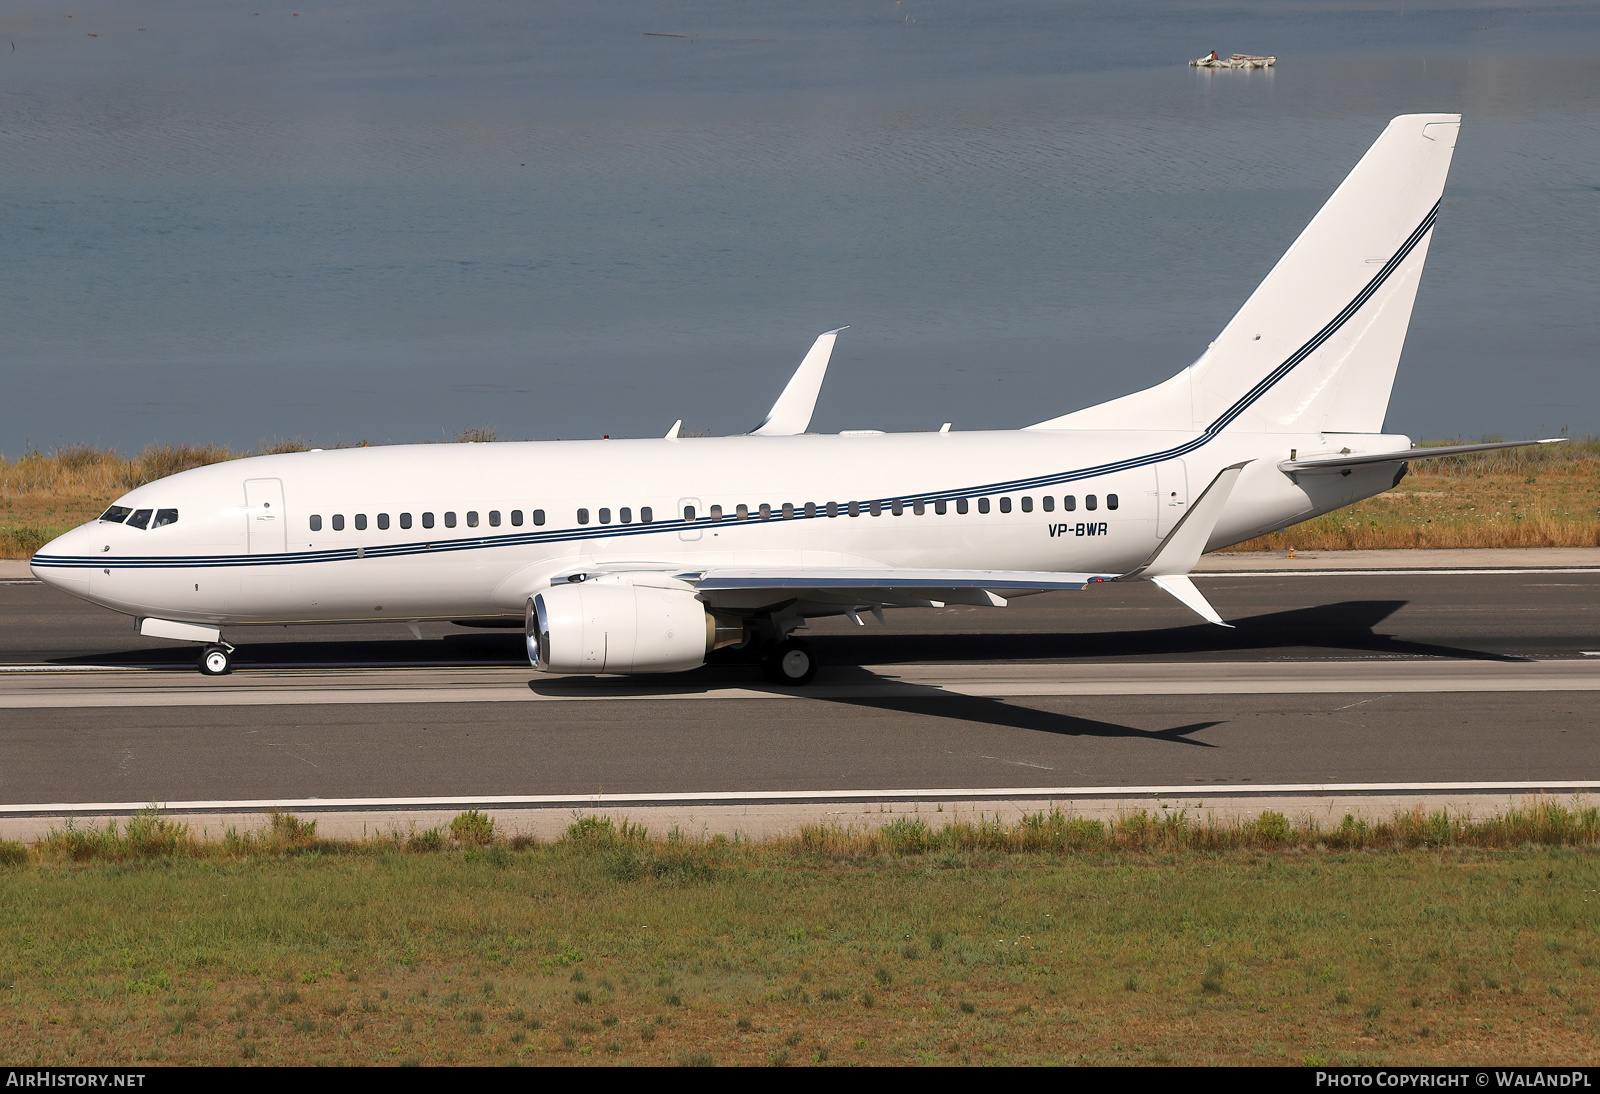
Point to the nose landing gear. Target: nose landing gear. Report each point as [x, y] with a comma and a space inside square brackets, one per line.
[216, 660]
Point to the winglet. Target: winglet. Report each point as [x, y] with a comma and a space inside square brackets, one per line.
[1169, 564]
[791, 414]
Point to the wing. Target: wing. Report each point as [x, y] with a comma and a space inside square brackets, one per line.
[850, 587]
[830, 590]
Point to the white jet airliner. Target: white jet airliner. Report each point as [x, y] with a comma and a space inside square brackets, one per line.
[633, 556]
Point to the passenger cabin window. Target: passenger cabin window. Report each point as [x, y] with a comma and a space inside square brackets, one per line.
[716, 512]
[116, 514]
[833, 508]
[919, 508]
[1090, 502]
[583, 516]
[494, 518]
[605, 516]
[766, 511]
[983, 505]
[472, 518]
[405, 520]
[165, 517]
[624, 515]
[427, 520]
[383, 522]
[941, 507]
[1049, 503]
[646, 515]
[1111, 501]
[516, 518]
[811, 509]
[743, 511]
[1027, 505]
[449, 520]
[875, 508]
[316, 522]
[1069, 503]
[538, 516]
[1005, 505]
[897, 508]
[688, 512]
[338, 522]
[961, 506]
[361, 522]
[788, 510]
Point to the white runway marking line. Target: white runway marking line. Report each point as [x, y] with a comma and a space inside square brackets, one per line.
[73, 668]
[751, 797]
[1120, 679]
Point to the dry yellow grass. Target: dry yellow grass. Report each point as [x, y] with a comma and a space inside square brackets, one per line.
[1545, 497]
[42, 496]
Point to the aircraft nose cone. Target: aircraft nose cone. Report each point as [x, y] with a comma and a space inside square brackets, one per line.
[54, 563]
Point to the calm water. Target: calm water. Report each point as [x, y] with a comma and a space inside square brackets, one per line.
[389, 221]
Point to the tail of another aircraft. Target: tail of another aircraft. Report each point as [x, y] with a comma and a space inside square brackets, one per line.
[1315, 347]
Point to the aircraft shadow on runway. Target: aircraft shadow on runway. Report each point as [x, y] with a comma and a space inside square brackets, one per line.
[919, 699]
[1348, 627]
[998, 712]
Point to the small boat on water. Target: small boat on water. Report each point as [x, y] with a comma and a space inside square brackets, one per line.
[1238, 60]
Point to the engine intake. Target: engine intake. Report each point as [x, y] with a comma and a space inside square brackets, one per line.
[599, 626]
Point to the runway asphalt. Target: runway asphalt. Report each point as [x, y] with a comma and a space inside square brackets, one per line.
[1333, 679]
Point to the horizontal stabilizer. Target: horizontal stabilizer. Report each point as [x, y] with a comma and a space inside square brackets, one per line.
[1340, 460]
[791, 414]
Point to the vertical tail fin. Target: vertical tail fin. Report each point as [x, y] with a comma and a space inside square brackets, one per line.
[1316, 346]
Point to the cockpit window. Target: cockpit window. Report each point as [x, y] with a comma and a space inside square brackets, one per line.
[116, 514]
[140, 518]
[165, 517]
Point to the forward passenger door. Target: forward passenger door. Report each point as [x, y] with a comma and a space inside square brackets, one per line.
[268, 527]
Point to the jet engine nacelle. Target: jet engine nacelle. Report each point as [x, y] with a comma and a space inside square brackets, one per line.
[599, 626]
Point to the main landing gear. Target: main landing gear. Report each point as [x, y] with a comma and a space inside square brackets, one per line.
[216, 660]
[791, 662]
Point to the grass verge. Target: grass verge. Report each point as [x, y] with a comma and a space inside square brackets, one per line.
[1421, 939]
